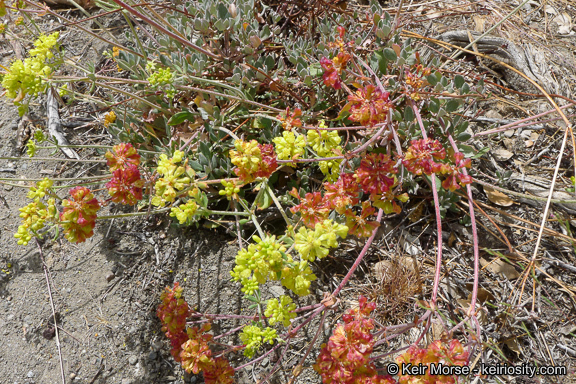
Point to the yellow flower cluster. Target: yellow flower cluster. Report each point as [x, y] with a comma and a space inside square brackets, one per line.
[175, 177]
[35, 214]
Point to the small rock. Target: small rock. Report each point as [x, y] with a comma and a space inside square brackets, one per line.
[492, 114]
[9, 298]
[170, 378]
[152, 356]
[72, 376]
[502, 154]
[30, 374]
[193, 380]
[276, 290]
[157, 345]
[265, 362]
[132, 360]
[49, 333]
[110, 276]
[46, 172]
[8, 187]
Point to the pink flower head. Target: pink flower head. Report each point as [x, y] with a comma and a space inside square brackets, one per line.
[124, 155]
[368, 105]
[419, 158]
[78, 218]
[376, 173]
[313, 208]
[126, 185]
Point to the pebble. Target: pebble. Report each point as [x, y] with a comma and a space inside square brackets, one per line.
[132, 360]
[72, 376]
[276, 290]
[110, 276]
[152, 356]
[170, 378]
[8, 187]
[30, 374]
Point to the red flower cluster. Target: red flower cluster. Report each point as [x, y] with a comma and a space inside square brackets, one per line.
[126, 184]
[173, 313]
[376, 173]
[368, 105]
[447, 353]
[313, 208]
[420, 156]
[268, 164]
[190, 347]
[197, 357]
[345, 359]
[377, 177]
[454, 177]
[333, 69]
[124, 155]
[291, 120]
[253, 160]
[360, 226]
[78, 218]
[415, 80]
[343, 193]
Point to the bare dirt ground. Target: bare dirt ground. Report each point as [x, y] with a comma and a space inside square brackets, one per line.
[106, 290]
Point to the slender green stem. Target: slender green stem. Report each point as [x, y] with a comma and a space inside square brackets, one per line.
[253, 218]
[128, 94]
[278, 205]
[59, 178]
[134, 32]
[227, 213]
[76, 146]
[216, 83]
[133, 214]
[51, 159]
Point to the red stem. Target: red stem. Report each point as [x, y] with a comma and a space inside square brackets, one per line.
[514, 124]
[472, 309]
[437, 211]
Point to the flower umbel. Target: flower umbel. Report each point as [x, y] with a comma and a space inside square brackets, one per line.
[122, 156]
[78, 218]
[368, 105]
[126, 185]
